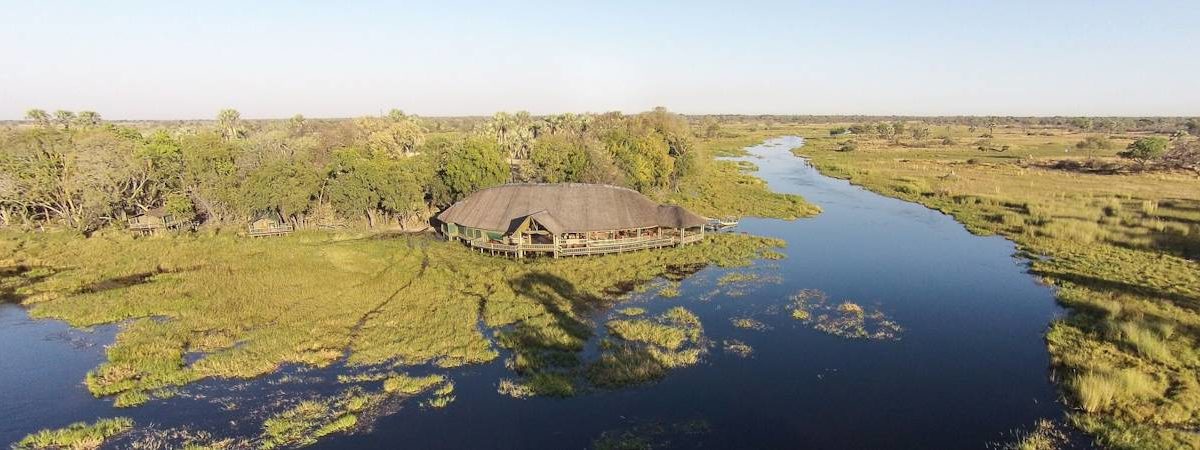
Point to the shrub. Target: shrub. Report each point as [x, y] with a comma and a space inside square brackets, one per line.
[1145, 149]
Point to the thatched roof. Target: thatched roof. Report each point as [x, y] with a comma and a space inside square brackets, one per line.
[565, 208]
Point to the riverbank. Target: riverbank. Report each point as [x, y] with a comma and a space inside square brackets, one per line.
[1121, 249]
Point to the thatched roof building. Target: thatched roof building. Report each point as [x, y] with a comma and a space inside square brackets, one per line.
[567, 219]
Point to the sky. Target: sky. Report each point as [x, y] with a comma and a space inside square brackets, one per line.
[267, 59]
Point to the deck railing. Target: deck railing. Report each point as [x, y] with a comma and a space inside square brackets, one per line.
[272, 230]
[589, 248]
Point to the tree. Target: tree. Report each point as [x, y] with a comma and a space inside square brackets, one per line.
[210, 174]
[919, 132]
[560, 157]
[1093, 143]
[64, 118]
[464, 166]
[229, 122]
[514, 133]
[1184, 154]
[87, 119]
[39, 116]
[1082, 123]
[885, 130]
[296, 125]
[1193, 127]
[1144, 150]
[395, 136]
[282, 186]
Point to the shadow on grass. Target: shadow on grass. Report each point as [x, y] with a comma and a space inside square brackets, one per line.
[15, 278]
[551, 291]
[130, 280]
[1102, 284]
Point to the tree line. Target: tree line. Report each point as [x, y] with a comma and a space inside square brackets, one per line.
[394, 170]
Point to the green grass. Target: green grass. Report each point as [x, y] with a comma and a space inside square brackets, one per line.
[1121, 248]
[646, 349]
[309, 420]
[726, 188]
[77, 436]
[1045, 435]
[407, 385]
[316, 299]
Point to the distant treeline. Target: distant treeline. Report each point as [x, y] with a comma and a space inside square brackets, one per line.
[75, 170]
[699, 123]
[1164, 125]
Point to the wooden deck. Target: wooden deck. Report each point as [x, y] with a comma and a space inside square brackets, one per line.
[599, 247]
[147, 229]
[276, 230]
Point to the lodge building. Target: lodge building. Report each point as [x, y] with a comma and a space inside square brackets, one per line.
[566, 219]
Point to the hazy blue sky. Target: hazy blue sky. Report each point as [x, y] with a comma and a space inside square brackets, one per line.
[174, 59]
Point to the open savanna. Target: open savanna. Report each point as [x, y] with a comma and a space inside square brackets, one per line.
[1121, 246]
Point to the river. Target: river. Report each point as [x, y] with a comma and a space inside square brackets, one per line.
[966, 366]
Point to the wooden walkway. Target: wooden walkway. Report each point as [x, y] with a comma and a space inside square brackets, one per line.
[590, 248]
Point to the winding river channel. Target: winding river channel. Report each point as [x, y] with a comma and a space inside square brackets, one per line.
[953, 357]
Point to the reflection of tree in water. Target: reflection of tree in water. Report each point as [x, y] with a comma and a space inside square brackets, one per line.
[548, 349]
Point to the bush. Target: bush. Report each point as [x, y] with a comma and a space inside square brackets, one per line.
[847, 147]
[1145, 150]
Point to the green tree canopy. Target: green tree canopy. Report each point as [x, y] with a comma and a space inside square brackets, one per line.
[1144, 150]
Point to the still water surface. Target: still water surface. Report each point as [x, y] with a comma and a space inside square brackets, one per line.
[969, 366]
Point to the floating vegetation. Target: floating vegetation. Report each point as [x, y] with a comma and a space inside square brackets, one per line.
[671, 290]
[748, 323]
[846, 319]
[736, 277]
[738, 348]
[310, 420]
[738, 284]
[631, 311]
[654, 435]
[443, 396]
[79, 435]
[152, 438]
[361, 377]
[514, 388]
[645, 349]
[772, 255]
[404, 384]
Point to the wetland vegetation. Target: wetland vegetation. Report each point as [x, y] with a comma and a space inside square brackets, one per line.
[1108, 211]
[1116, 234]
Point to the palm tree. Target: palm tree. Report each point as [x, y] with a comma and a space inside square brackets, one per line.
[88, 119]
[38, 115]
[64, 118]
[228, 121]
